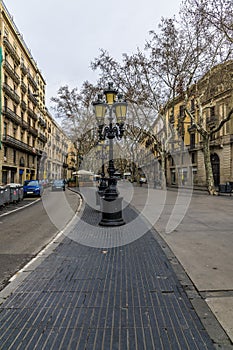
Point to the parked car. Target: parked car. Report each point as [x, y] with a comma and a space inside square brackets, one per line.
[58, 185]
[32, 188]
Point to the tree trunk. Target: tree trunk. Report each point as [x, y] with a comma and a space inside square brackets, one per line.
[208, 166]
[163, 169]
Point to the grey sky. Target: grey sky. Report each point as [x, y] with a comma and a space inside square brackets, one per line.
[64, 36]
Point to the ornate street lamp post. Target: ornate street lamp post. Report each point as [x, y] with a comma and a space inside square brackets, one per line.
[113, 103]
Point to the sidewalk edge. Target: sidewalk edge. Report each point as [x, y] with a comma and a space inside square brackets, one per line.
[203, 311]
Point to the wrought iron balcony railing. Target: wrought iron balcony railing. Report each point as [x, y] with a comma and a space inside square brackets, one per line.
[11, 50]
[8, 113]
[23, 87]
[23, 69]
[32, 98]
[10, 70]
[15, 143]
[11, 93]
[32, 81]
[42, 137]
[33, 131]
[24, 125]
[23, 105]
[32, 114]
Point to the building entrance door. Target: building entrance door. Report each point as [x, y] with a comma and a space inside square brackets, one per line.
[216, 168]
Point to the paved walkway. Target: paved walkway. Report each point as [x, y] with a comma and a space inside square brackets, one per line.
[77, 296]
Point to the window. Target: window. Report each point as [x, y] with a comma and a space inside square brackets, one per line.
[173, 176]
[212, 111]
[194, 158]
[227, 127]
[5, 151]
[5, 103]
[192, 140]
[14, 156]
[181, 110]
[192, 105]
[5, 129]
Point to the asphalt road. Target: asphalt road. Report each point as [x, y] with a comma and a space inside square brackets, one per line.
[25, 232]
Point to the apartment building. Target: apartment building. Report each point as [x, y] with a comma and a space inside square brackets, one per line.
[59, 161]
[215, 90]
[178, 155]
[32, 145]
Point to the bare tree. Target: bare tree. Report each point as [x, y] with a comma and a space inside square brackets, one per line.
[208, 25]
[209, 119]
[75, 110]
[217, 14]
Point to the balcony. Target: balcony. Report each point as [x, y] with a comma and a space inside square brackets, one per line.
[33, 131]
[17, 144]
[32, 114]
[211, 121]
[24, 125]
[23, 87]
[42, 137]
[32, 82]
[11, 115]
[42, 122]
[10, 49]
[23, 69]
[32, 98]
[11, 93]
[10, 70]
[23, 105]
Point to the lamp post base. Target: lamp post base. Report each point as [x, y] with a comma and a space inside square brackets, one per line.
[111, 212]
[101, 190]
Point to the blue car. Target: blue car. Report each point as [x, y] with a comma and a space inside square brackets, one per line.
[32, 188]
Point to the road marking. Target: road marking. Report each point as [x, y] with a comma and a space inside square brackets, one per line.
[14, 210]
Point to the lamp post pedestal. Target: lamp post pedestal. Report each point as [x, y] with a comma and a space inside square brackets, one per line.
[111, 209]
[101, 190]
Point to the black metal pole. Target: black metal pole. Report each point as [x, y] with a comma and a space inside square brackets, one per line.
[111, 204]
[103, 184]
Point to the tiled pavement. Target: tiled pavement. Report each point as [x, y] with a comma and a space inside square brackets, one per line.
[80, 297]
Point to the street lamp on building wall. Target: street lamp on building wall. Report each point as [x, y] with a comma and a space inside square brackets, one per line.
[111, 102]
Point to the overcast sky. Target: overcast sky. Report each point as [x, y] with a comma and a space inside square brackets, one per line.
[65, 36]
